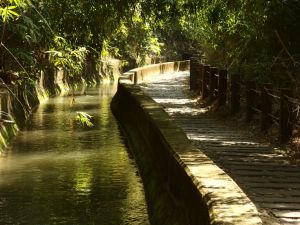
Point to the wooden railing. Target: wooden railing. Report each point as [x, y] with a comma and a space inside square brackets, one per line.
[272, 105]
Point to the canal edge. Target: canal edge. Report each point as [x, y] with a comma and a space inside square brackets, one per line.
[189, 174]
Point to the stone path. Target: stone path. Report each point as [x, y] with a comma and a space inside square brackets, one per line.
[265, 175]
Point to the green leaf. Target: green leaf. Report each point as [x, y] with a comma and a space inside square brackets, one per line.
[84, 119]
[12, 7]
[14, 13]
[7, 13]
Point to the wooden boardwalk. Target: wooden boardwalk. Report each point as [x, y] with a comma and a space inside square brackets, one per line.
[265, 175]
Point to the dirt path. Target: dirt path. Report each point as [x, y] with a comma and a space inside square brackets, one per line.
[265, 175]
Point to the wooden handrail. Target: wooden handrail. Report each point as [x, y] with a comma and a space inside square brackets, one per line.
[212, 84]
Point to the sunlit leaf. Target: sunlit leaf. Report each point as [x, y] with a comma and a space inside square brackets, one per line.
[84, 119]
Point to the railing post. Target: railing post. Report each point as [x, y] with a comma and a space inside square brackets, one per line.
[213, 83]
[250, 100]
[200, 78]
[197, 75]
[193, 78]
[286, 116]
[201, 71]
[135, 77]
[205, 80]
[235, 94]
[176, 66]
[266, 107]
[222, 94]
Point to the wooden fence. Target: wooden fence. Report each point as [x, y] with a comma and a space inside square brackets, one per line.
[271, 105]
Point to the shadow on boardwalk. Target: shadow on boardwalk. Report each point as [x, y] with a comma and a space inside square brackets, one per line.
[269, 180]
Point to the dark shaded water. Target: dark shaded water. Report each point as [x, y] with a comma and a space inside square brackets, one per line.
[58, 172]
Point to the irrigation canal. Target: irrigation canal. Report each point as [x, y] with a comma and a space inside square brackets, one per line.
[56, 171]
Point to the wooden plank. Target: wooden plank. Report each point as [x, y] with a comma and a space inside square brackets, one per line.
[272, 185]
[270, 191]
[282, 200]
[271, 168]
[287, 213]
[265, 173]
[236, 148]
[263, 164]
[227, 160]
[241, 154]
[284, 206]
[258, 179]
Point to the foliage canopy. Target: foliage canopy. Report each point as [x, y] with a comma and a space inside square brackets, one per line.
[257, 38]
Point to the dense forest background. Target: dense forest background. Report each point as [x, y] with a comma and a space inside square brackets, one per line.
[259, 39]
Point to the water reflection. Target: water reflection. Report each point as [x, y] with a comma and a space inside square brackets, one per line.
[58, 172]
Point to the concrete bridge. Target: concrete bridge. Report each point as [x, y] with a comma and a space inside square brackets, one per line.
[231, 178]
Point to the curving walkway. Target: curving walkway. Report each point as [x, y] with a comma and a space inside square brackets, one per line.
[270, 181]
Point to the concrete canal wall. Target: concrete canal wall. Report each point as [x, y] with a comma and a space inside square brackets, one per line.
[18, 100]
[183, 186]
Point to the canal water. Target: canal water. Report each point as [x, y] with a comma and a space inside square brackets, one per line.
[57, 171]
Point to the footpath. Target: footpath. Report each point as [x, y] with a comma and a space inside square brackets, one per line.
[269, 179]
